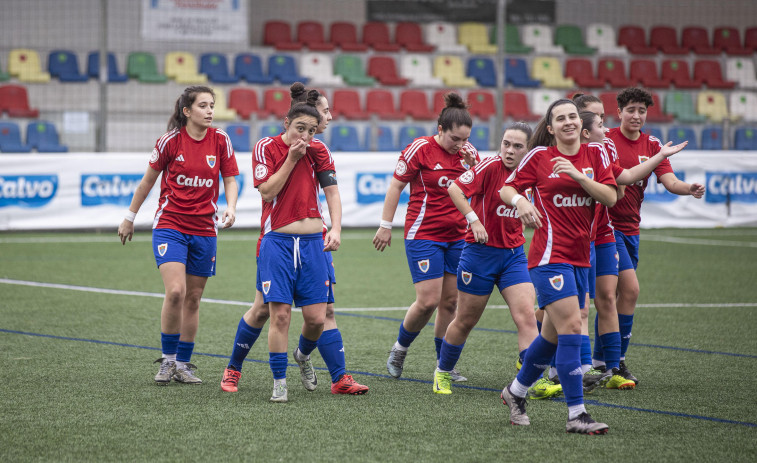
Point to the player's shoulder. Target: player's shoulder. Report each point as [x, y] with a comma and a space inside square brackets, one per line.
[418, 146]
[172, 136]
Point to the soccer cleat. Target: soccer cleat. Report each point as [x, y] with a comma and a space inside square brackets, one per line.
[585, 424]
[166, 371]
[617, 381]
[347, 385]
[544, 389]
[455, 376]
[230, 381]
[279, 393]
[517, 406]
[518, 364]
[624, 372]
[554, 379]
[185, 374]
[442, 382]
[396, 362]
[595, 378]
[307, 373]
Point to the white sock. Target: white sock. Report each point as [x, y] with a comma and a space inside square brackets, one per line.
[517, 389]
[282, 381]
[181, 364]
[399, 346]
[552, 372]
[623, 358]
[598, 363]
[299, 355]
[575, 410]
[170, 357]
[585, 368]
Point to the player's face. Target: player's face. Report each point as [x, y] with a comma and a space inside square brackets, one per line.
[453, 140]
[301, 127]
[596, 108]
[323, 107]
[200, 115]
[597, 132]
[566, 124]
[633, 116]
[513, 148]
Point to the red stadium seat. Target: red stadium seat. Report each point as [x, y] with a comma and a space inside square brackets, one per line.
[613, 71]
[381, 103]
[278, 34]
[654, 112]
[644, 72]
[347, 103]
[376, 36]
[709, 72]
[414, 103]
[664, 39]
[437, 101]
[677, 71]
[516, 106]
[276, 101]
[311, 34]
[633, 38]
[695, 38]
[384, 69]
[15, 101]
[344, 36]
[580, 69]
[750, 39]
[409, 36]
[728, 39]
[610, 103]
[481, 104]
[244, 101]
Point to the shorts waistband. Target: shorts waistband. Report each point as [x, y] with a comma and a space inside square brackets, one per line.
[289, 236]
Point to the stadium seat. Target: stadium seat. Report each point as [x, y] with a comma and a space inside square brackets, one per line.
[443, 36]
[450, 70]
[634, 39]
[283, 68]
[278, 34]
[276, 102]
[610, 103]
[376, 35]
[549, 72]
[143, 67]
[515, 105]
[644, 72]
[344, 36]
[750, 39]
[221, 110]
[414, 104]
[344, 137]
[482, 69]
[580, 70]
[655, 113]
[24, 64]
[542, 98]
[215, 66]
[516, 73]
[239, 134]
[312, 35]
[712, 104]
[10, 138]
[352, 71]
[249, 67]
[381, 104]
[93, 67]
[271, 129]
[613, 71]
[437, 100]
[346, 103]
[696, 39]
[4, 76]
[384, 69]
[664, 39]
[182, 67]
[64, 65]
[745, 138]
[408, 133]
[513, 43]
[728, 39]
[681, 106]
[741, 70]
[677, 71]
[43, 136]
[244, 101]
[14, 100]
[319, 69]
[384, 138]
[709, 72]
[418, 69]
[481, 104]
[602, 37]
[679, 134]
[712, 138]
[539, 37]
[476, 37]
[479, 137]
[571, 39]
[743, 105]
[410, 36]
[653, 131]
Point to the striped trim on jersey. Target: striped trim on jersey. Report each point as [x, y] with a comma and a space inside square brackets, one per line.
[229, 147]
[654, 139]
[529, 155]
[471, 148]
[422, 213]
[611, 149]
[603, 154]
[414, 147]
[162, 141]
[319, 142]
[477, 169]
[259, 150]
[548, 245]
[159, 213]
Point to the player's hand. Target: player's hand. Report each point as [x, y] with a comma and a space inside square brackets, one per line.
[528, 214]
[229, 217]
[469, 157]
[125, 231]
[382, 239]
[479, 232]
[563, 166]
[696, 190]
[297, 150]
[669, 150]
[332, 241]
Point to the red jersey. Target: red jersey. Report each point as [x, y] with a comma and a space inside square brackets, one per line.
[482, 184]
[625, 214]
[602, 231]
[430, 170]
[567, 209]
[189, 185]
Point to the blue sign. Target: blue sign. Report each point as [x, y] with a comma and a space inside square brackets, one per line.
[114, 189]
[372, 186]
[222, 193]
[656, 192]
[27, 190]
[731, 186]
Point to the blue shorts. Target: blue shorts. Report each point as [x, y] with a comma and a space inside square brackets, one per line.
[432, 259]
[592, 270]
[332, 275]
[197, 253]
[482, 266]
[558, 281]
[293, 268]
[628, 251]
[604, 261]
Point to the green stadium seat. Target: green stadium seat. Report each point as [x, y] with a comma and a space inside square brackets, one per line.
[352, 70]
[681, 106]
[143, 67]
[571, 39]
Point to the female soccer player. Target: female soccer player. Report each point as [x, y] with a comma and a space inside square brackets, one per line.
[566, 180]
[434, 228]
[190, 155]
[330, 343]
[493, 253]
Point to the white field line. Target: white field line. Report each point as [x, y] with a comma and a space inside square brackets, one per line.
[699, 241]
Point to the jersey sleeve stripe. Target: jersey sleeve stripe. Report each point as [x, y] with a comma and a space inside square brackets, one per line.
[325, 146]
[530, 154]
[166, 138]
[486, 162]
[654, 139]
[602, 154]
[227, 140]
[260, 149]
[414, 147]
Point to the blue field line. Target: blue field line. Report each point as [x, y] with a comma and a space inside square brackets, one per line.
[378, 375]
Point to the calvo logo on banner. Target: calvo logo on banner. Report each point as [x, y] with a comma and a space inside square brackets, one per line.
[30, 191]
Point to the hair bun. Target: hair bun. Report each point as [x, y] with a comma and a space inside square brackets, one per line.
[296, 90]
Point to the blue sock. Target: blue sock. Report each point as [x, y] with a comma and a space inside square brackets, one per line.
[585, 350]
[278, 363]
[405, 338]
[243, 342]
[626, 323]
[611, 348]
[569, 368]
[536, 361]
[332, 350]
[449, 355]
[169, 343]
[438, 344]
[522, 355]
[184, 351]
[306, 345]
[538, 325]
[598, 352]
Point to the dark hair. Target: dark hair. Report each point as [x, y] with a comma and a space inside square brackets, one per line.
[637, 94]
[583, 100]
[299, 93]
[541, 136]
[455, 112]
[523, 127]
[306, 107]
[186, 100]
[587, 119]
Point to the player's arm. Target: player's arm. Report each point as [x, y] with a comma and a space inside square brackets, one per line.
[126, 229]
[232, 193]
[643, 170]
[334, 202]
[383, 237]
[676, 186]
[605, 194]
[529, 215]
[271, 187]
[461, 203]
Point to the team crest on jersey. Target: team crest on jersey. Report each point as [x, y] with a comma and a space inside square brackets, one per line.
[557, 282]
[529, 194]
[466, 276]
[467, 177]
[261, 171]
[154, 156]
[266, 286]
[162, 248]
[643, 159]
[589, 172]
[211, 158]
[423, 265]
[464, 164]
[401, 168]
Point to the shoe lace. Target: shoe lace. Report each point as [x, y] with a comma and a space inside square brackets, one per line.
[347, 380]
[398, 357]
[231, 377]
[444, 381]
[165, 365]
[584, 418]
